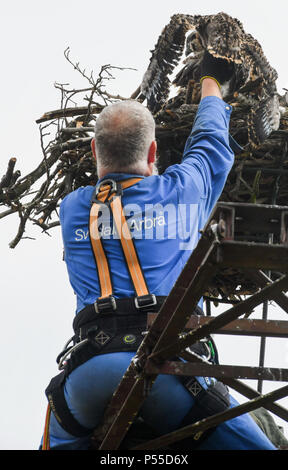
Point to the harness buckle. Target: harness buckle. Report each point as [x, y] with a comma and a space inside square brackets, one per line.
[114, 187]
[143, 301]
[105, 305]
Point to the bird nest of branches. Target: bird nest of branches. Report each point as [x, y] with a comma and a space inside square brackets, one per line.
[259, 174]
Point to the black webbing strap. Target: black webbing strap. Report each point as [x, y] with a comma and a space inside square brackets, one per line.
[57, 402]
[123, 306]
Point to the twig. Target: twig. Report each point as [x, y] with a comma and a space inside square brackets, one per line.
[69, 112]
[7, 178]
[21, 228]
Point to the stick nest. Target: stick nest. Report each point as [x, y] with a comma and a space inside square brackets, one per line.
[259, 175]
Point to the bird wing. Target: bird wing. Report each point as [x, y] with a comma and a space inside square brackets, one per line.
[165, 57]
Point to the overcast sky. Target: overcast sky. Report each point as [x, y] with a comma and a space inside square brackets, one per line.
[36, 301]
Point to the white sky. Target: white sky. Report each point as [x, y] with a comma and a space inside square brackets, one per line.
[36, 301]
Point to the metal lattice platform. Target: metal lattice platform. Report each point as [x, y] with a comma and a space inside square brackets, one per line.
[251, 241]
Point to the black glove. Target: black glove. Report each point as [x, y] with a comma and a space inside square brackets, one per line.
[219, 69]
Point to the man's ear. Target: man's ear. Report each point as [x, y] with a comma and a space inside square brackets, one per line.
[93, 148]
[152, 152]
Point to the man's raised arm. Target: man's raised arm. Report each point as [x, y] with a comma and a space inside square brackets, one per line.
[207, 155]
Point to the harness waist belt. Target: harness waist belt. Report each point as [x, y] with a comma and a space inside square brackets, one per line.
[118, 330]
[125, 306]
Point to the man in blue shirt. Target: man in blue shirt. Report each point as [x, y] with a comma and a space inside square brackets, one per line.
[165, 214]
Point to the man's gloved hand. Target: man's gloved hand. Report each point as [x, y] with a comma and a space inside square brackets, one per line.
[219, 69]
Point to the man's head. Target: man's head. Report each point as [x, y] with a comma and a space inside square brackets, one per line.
[124, 139]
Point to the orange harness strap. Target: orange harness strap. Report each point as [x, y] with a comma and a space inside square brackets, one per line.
[46, 439]
[128, 248]
[99, 254]
[105, 194]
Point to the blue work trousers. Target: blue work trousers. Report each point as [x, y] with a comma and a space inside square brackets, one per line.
[89, 388]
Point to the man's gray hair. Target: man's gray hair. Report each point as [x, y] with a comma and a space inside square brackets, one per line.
[123, 134]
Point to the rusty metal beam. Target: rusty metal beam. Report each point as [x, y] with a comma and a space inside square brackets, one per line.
[190, 298]
[241, 388]
[263, 280]
[241, 255]
[218, 371]
[214, 420]
[267, 293]
[242, 326]
[251, 393]
[255, 218]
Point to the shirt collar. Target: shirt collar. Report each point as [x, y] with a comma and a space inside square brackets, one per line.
[119, 176]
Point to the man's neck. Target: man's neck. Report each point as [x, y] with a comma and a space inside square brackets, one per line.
[103, 172]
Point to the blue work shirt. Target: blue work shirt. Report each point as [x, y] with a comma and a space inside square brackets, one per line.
[165, 213]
